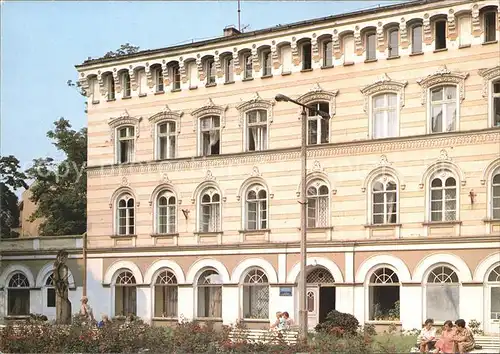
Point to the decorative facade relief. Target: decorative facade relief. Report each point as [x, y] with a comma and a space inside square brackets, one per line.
[182, 71]
[317, 167]
[124, 119]
[256, 102]
[476, 21]
[116, 78]
[209, 176]
[337, 53]
[236, 62]
[255, 59]
[165, 73]
[199, 66]
[358, 42]
[452, 27]
[380, 37]
[209, 109]
[427, 29]
[274, 55]
[443, 76]
[403, 34]
[316, 93]
[488, 75]
[295, 52]
[218, 65]
[102, 87]
[255, 172]
[166, 114]
[383, 84]
[83, 82]
[149, 76]
[315, 49]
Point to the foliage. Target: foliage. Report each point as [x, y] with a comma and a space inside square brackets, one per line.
[10, 180]
[338, 323]
[123, 50]
[389, 315]
[60, 189]
[369, 329]
[475, 327]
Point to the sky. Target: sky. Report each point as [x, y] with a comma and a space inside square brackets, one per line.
[41, 41]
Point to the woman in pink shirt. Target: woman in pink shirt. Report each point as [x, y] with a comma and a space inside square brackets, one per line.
[445, 343]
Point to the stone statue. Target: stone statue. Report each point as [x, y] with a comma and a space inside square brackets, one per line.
[61, 283]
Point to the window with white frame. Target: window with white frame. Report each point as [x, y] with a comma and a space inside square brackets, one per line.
[490, 24]
[210, 135]
[348, 46]
[255, 295]
[416, 39]
[126, 144]
[371, 46]
[248, 65]
[193, 74]
[443, 197]
[385, 115]
[494, 285]
[210, 71]
[495, 103]
[125, 215]
[256, 207]
[443, 109]
[18, 295]
[166, 213]
[306, 51]
[176, 77]
[94, 90]
[317, 204]
[228, 69]
[142, 81]
[318, 127]
[127, 90]
[158, 75]
[327, 53]
[51, 291]
[210, 207]
[440, 34]
[167, 134]
[286, 58]
[393, 42]
[495, 195]
[465, 30]
[266, 63]
[442, 294]
[166, 295]
[110, 86]
[256, 130]
[125, 294]
[384, 200]
[384, 295]
[209, 295]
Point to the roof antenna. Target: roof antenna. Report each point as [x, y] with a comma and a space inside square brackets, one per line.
[239, 16]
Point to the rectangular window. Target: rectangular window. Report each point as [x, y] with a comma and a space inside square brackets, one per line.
[306, 56]
[210, 136]
[247, 59]
[166, 140]
[496, 103]
[125, 300]
[348, 50]
[210, 217]
[159, 79]
[327, 54]
[143, 82]
[94, 90]
[229, 70]
[18, 302]
[371, 46]
[416, 39]
[286, 59]
[257, 130]
[464, 26]
[166, 301]
[443, 109]
[210, 71]
[126, 85]
[440, 35]
[176, 78]
[126, 141]
[193, 74]
[385, 122]
[51, 297]
[209, 301]
[490, 31]
[393, 43]
[318, 127]
[111, 87]
[266, 63]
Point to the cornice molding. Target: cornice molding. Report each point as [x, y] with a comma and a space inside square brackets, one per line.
[384, 84]
[256, 102]
[442, 141]
[488, 75]
[443, 76]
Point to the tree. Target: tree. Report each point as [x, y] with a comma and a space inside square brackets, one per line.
[123, 50]
[60, 189]
[10, 180]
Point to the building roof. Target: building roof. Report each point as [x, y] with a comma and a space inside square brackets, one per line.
[278, 28]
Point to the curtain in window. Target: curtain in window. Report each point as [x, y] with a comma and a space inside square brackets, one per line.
[193, 74]
[442, 301]
[464, 26]
[212, 140]
[348, 49]
[216, 303]
[286, 59]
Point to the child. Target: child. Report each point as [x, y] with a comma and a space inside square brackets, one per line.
[276, 323]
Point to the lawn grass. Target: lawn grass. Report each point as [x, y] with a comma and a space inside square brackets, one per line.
[395, 343]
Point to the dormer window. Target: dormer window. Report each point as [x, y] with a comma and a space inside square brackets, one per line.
[127, 91]
[210, 71]
[440, 34]
[266, 62]
[371, 46]
[490, 31]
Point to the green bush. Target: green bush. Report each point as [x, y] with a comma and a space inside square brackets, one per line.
[339, 323]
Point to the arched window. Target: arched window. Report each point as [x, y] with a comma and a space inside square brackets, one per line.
[494, 285]
[318, 128]
[126, 144]
[255, 295]
[442, 294]
[166, 135]
[125, 215]
[318, 204]
[51, 291]
[125, 294]
[416, 38]
[495, 103]
[166, 299]
[384, 292]
[166, 213]
[210, 210]
[495, 195]
[256, 207]
[256, 121]
[125, 81]
[393, 42]
[444, 108]
[443, 197]
[18, 295]
[385, 115]
[384, 200]
[209, 291]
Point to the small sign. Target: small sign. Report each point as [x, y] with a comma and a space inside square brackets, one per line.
[285, 291]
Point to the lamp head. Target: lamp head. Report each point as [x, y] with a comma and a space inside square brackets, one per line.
[281, 98]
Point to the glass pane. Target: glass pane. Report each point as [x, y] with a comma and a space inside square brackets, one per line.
[495, 303]
[416, 42]
[437, 94]
[370, 46]
[393, 43]
[443, 301]
[379, 101]
[437, 118]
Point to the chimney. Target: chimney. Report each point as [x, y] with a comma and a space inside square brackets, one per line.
[230, 31]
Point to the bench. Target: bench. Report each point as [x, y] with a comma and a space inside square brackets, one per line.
[264, 336]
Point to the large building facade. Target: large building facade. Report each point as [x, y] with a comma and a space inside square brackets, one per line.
[194, 171]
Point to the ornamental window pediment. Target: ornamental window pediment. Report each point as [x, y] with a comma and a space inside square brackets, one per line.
[316, 94]
[255, 103]
[384, 84]
[123, 120]
[443, 76]
[209, 109]
[488, 75]
[166, 114]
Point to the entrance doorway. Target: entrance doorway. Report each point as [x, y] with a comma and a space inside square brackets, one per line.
[320, 295]
[492, 293]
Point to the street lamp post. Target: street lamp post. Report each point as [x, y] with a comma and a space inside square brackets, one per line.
[303, 212]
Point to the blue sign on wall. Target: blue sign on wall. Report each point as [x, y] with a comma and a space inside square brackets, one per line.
[285, 291]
